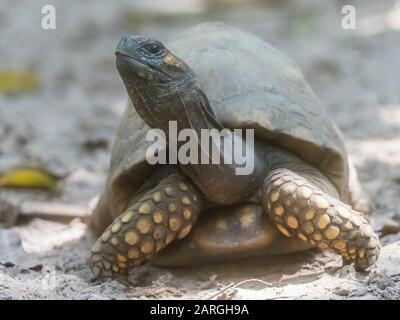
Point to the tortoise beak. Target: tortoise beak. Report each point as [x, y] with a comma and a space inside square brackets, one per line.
[128, 45]
[129, 67]
[127, 64]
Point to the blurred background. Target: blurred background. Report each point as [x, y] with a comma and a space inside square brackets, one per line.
[61, 98]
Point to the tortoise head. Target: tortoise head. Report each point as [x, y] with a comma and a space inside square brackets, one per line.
[151, 73]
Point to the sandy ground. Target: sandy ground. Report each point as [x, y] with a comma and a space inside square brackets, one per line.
[356, 73]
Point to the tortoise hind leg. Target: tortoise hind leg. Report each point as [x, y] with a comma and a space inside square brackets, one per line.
[299, 202]
[161, 215]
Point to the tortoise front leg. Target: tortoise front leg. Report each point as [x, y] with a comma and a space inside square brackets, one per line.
[161, 215]
[298, 204]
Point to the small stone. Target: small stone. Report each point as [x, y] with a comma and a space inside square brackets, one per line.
[390, 227]
[342, 292]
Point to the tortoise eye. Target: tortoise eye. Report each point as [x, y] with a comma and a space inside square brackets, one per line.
[153, 48]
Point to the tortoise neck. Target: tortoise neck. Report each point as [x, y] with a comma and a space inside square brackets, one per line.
[193, 111]
[218, 172]
[216, 169]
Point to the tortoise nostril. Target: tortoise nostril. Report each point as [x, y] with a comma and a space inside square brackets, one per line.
[123, 41]
[122, 44]
[125, 38]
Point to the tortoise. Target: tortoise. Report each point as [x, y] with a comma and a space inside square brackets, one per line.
[302, 193]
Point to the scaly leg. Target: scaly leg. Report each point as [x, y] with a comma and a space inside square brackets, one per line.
[161, 215]
[299, 204]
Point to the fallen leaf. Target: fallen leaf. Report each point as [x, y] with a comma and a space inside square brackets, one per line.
[29, 178]
[14, 82]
